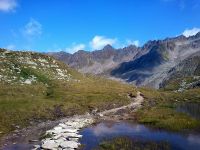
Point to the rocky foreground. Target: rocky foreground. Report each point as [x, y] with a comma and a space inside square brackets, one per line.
[65, 136]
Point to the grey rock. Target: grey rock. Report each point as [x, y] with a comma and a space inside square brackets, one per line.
[69, 144]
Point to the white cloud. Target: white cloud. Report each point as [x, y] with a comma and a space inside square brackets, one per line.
[8, 5]
[32, 29]
[75, 47]
[98, 42]
[133, 42]
[10, 47]
[191, 32]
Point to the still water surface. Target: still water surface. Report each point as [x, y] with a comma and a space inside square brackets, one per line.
[192, 109]
[94, 135]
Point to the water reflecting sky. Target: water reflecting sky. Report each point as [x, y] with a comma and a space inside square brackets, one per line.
[92, 136]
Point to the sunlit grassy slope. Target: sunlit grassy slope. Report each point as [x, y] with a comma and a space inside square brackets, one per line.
[35, 87]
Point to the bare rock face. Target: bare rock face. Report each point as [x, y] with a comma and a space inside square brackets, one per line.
[99, 62]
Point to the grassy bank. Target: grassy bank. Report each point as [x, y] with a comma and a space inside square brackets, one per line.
[159, 109]
[126, 143]
[22, 104]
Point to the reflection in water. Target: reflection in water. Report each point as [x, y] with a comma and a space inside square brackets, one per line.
[94, 135]
[194, 139]
[192, 109]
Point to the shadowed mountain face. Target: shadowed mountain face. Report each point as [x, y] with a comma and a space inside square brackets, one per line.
[149, 65]
[187, 72]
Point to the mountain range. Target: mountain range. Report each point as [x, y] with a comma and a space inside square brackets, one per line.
[153, 64]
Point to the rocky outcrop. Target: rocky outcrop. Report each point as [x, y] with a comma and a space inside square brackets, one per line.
[66, 134]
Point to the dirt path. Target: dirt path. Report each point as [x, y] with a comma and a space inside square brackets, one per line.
[21, 140]
[66, 134]
[137, 101]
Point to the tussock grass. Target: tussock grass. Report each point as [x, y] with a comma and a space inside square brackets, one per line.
[126, 143]
[159, 109]
[22, 104]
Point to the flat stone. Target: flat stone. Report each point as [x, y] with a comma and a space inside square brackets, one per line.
[69, 130]
[69, 144]
[50, 145]
[57, 137]
[101, 115]
[57, 128]
[63, 125]
[61, 140]
[65, 135]
[67, 148]
[71, 135]
[36, 146]
[73, 139]
[54, 131]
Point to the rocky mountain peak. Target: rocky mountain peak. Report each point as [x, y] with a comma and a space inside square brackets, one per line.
[147, 65]
[108, 47]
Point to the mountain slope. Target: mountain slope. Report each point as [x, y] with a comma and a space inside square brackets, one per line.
[152, 68]
[143, 66]
[99, 62]
[185, 75]
[30, 67]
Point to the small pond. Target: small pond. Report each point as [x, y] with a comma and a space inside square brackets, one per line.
[94, 135]
[192, 109]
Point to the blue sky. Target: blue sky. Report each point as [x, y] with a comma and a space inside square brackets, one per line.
[69, 25]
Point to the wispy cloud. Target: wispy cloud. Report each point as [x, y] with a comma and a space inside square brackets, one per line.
[28, 35]
[133, 42]
[8, 5]
[191, 32]
[32, 29]
[10, 47]
[99, 42]
[75, 47]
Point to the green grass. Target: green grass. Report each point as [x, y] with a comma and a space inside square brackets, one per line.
[21, 104]
[159, 109]
[166, 118]
[49, 97]
[175, 84]
[125, 143]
